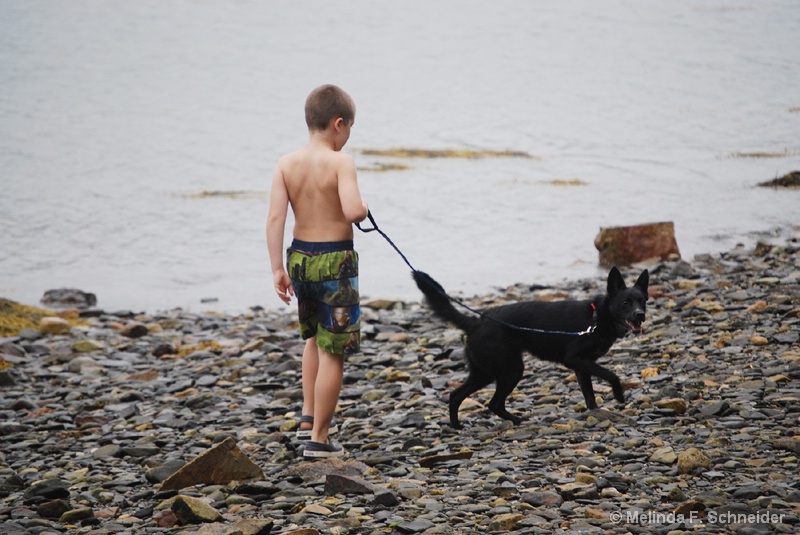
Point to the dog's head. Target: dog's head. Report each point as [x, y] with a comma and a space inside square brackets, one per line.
[627, 305]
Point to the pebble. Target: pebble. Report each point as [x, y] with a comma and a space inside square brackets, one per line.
[96, 416]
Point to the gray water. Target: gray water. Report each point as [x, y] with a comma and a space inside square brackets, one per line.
[116, 116]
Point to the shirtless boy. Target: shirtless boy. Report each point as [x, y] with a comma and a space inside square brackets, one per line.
[319, 183]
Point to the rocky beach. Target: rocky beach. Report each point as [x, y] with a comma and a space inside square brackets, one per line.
[178, 422]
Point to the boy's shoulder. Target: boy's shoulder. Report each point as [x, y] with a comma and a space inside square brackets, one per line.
[317, 153]
[304, 159]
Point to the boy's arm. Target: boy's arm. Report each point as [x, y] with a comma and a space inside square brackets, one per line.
[276, 223]
[354, 208]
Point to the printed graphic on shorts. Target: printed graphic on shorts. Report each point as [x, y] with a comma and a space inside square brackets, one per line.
[326, 287]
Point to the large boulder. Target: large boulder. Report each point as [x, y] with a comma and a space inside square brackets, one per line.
[619, 246]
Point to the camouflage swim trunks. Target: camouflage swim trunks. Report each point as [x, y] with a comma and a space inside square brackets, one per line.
[325, 281]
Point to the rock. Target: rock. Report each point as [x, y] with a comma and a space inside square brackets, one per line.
[383, 304]
[690, 459]
[385, 498]
[718, 408]
[218, 466]
[252, 526]
[415, 526]
[316, 509]
[163, 471]
[313, 471]
[134, 330]
[686, 509]
[68, 297]
[433, 460]
[217, 528]
[338, 484]
[578, 491]
[790, 180]
[665, 455]
[49, 488]
[53, 508]
[107, 452]
[87, 346]
[53, 325]
[620, 246]
[191, 510]
[505, 522]
[76, 515]
[650, 372]
[166, 519]
[788, 444]
[597, 514]
[676, 404]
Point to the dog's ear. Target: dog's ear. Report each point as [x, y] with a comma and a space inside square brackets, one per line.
[643, 281]
[615, 281]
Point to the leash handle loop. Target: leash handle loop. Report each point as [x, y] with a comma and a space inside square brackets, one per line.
[371, 220]
[385, 237]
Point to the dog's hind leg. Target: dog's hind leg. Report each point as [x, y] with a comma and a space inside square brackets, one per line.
[457, 396]
[506, 383]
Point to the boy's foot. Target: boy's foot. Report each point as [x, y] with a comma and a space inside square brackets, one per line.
[305, 434]
[316, 450]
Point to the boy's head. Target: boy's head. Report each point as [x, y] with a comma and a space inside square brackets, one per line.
[326, 103]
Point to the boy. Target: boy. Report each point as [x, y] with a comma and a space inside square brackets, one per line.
[319, 182]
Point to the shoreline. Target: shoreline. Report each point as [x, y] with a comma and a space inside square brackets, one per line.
[95, 418]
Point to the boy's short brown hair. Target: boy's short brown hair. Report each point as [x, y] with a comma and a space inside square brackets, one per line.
[328, 102]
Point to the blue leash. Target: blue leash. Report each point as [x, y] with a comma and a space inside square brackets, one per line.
[441, 290]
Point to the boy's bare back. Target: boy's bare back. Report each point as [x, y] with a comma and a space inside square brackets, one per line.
[323, 192]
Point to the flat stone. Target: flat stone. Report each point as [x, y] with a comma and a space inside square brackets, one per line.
[220, 465]
[415, 526]
[48, 488]
[191, 510]
[717, 408]
[433, 460]
[665, 455]
[339, 484]
[74, 516]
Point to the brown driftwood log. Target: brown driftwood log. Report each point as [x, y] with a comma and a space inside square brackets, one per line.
[637, 243]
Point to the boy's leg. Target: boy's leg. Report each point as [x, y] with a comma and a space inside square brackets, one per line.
[326, 393]
[310, 370]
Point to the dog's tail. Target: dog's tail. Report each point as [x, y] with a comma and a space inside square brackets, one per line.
[440, 303]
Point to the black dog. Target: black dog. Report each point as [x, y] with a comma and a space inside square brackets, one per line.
[547, 330]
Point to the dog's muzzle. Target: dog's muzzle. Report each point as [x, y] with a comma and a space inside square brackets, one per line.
[635, 324]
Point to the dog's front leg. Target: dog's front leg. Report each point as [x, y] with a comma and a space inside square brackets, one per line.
[584, 370]
[611, 377]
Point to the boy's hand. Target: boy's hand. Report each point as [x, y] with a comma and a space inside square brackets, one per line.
[283, 286]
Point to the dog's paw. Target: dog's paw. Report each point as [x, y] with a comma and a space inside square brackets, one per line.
[516, 420]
